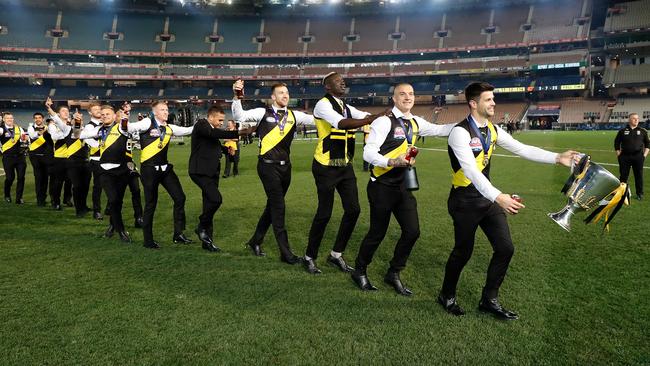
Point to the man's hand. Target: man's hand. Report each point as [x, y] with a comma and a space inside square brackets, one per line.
[618, 153]
[237, 86]
[567, 157]
[401, 161]
[77, 116]
[509, 204]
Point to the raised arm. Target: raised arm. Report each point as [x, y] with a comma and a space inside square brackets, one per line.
[241, 115]
[181, 131]
[426, 128]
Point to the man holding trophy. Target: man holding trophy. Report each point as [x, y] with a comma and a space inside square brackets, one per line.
[390, 152]
[474, 201]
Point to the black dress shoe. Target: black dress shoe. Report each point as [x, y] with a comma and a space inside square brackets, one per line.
[138, 223]
[152, 245]
[310, 266]
[361, 279]
[290, 259]
[639, 197]
[450, 305]
[8, 199]
[203, 236]
[109, 231]
[210, 247]
[492, 306]
[339, 263]
[181, 239]
[57, 207]
[256, 249]
[20, 201]
[392, 278]
[98, 215]
[124, 236]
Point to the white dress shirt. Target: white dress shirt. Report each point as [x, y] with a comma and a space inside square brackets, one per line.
[380, 128]
[256, 114]
[32, 133]
[145, 124]
[324, 110]
[459, 141]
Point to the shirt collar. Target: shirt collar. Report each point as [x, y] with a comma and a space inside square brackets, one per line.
[398, 114]
[275, 109]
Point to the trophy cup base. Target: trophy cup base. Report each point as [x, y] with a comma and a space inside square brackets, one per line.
[557, 219]
[563, 217]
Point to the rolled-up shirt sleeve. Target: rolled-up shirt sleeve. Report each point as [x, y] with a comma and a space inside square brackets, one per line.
[379, 129]
[181, 131]
[303, 118]
[426, 128]
[459, 140]
[525, 151]
[241, 115]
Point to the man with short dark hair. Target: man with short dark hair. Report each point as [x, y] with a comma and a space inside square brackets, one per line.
[204, 168]
[155, 136]
[474, 201]
[336, 123]
[95, 111]
[632, 147]
[41, 150]
[276, 126]
[58, 167]
[13, 140]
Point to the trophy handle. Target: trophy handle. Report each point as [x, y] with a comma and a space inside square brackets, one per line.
[563, 217]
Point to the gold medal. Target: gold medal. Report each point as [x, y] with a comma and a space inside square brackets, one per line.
[160, 145]
[486, 161]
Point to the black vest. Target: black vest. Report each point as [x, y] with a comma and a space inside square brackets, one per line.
[43, 145]
[77, 149]
[458, 176]
[113, 145]
[94, 151]
[395, 145]
[274, 143]
[11, 136]
[150, 141]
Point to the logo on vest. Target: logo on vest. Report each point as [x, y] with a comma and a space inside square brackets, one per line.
[270, 119]
[638, 133]
[626, 132]
[399, 133]
[154, 132]
[8, 134]
[475, 144]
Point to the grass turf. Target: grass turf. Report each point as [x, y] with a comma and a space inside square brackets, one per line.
[69, 297]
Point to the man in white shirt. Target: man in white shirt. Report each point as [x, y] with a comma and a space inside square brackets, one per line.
[336, 123]
[389, 139]
[155, 135]
[12, 140]
[276, 127]
[474, 201]
[95, 112]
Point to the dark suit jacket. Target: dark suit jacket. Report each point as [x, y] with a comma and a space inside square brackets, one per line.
[207, 149]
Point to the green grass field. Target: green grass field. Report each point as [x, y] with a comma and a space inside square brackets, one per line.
[70, 297]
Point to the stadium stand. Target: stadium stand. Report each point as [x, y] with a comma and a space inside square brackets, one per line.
[625, 106]
[466, 28]
[237, 34]
[419, 31]
[284, 35]
[373, 33]
[189, 33]
[177, 70]
[142, 70]
[74, 69]
[85, 30]
[628, 74]
[78, 92]
[508, 21]
[634, 15]
[578, 110]
[328, 34]
[550, 24]
[140, 32]
[31, 92]
[27, 28]
[128, 93]
[23, 68]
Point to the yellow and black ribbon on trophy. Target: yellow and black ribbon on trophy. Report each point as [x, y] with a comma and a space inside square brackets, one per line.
[609, 208]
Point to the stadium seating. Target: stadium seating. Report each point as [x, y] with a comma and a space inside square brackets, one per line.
[328, 34]
[466, 28]
[578, 110]
[32, 92]
[550, 24]
[79, 92]
[625, 106]
[134, 70]
[237, 35]
[284, 34]
[508, 22]
[27, 28]
[85, 30]
[129, 93]
[72, 69]
[178, 70]
[636, 14]
[140, 32]
[189, 33]
[628, 74]
[419, 30]
[373, 33]
[23, 68]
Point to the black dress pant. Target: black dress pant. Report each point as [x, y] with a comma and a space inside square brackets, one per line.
[136, 200]
[276, 179]
[79, 174]
[14, 166]
[384, 201]
[96, 172]
[634, 161]
[232, 160]
[469, 210]
[328, 179]
[60, 181]
[152, 177]
[41, 166]
[211, 199]
[114, 182]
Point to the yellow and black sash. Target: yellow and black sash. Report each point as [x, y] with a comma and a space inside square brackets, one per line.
[275, 136]
[11, 143]
[395, 144]
[482, 163]
[109, 138]
[37, 143]
[335, 147]
[60, 149]
[156, 146]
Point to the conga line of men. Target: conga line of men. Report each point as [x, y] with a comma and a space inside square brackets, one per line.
[61, 146]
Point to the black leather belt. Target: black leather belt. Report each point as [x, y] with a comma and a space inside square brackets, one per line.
[279, 162]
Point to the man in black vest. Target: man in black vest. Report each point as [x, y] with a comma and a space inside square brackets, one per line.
[332, 169]
[13, 140]
[632, 147]
[95, 111]
[474, 202]
[276, 127]
[389, 139]
[155, 136]
[204, 167]
[41, 150]
[112, 141]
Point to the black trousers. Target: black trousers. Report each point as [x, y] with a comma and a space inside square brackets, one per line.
[635, 161]
[14, 166]
[42, 173]
[79, 174]
[212, 199]
[96, 172]
[151, 179]
[329, 179]
[276, 179]
[384, 201]
[114, 182]
[60, 181]
[232, 160]
[136, 201]
[469, 210]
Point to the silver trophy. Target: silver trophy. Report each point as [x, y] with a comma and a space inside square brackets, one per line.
[591, 184]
